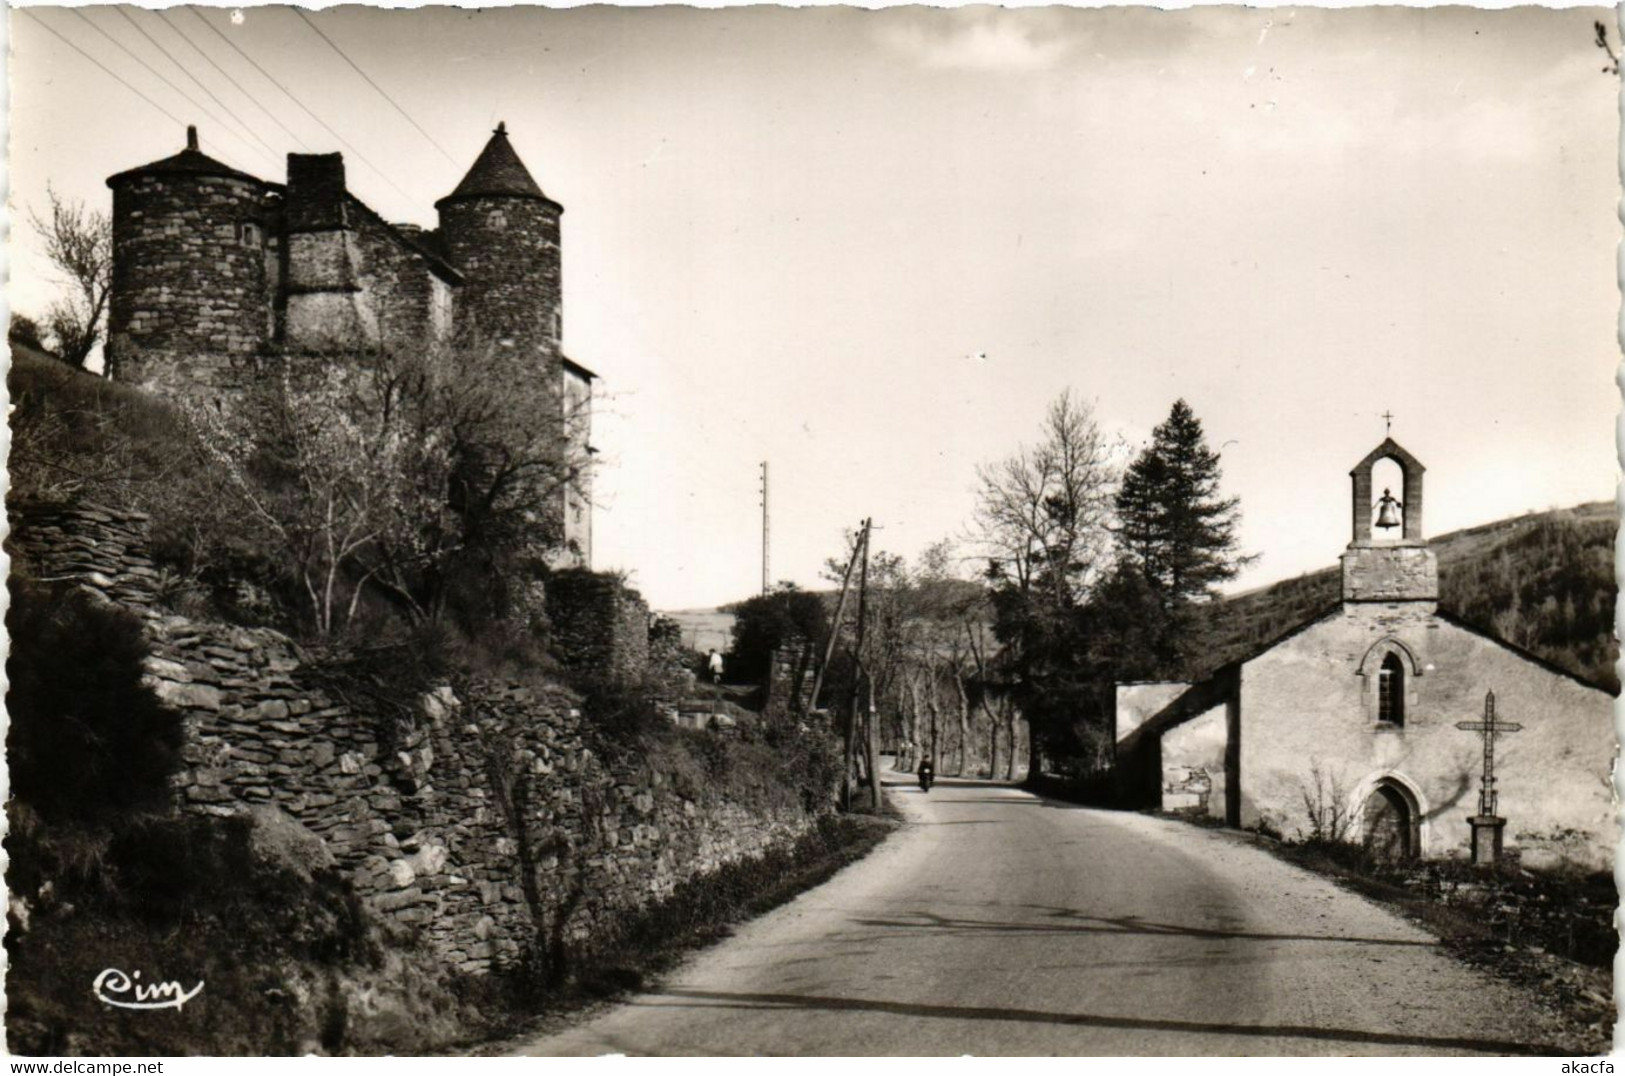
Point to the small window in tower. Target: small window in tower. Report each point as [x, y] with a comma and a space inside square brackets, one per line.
[497, 219]
[249, 234]
[1391, 691]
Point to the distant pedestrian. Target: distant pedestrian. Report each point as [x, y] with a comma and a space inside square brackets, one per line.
[713, 665]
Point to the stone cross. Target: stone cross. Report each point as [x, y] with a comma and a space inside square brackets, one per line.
[1387, 422]
[1490, 728]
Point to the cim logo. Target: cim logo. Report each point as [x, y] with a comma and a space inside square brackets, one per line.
[127, 991]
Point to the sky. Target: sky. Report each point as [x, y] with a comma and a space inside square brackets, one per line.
[870, 247]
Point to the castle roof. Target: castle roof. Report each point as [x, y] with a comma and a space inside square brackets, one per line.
[189, 162]
[497, 173]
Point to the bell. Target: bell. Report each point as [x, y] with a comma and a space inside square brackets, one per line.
[1388, 511]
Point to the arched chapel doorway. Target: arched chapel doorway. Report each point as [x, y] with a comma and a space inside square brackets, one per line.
[1391, 821]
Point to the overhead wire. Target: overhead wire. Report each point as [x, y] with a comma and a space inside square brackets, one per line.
[381, 92]
[163, 13]
[161, 77]
[290, 95]
[199, 83]
[105, 69]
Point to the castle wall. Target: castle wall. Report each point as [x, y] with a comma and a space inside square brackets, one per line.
[480, 817]
[410, 302]
[508, 250]
[351, 279]
[187, 307]
[577, 507]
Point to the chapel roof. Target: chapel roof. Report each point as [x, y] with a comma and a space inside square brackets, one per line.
[497, 173]
[1212, 689]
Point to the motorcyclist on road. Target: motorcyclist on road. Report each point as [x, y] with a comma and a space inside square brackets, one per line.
[927, 772]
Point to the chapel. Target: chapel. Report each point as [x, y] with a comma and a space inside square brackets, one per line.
[1354, 718]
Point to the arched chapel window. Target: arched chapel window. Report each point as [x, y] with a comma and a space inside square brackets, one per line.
[1391, 691]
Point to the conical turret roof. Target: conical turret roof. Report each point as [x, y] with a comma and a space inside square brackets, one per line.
[189, 161]
[497, 173]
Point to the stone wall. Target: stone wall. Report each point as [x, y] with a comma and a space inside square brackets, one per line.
[789, 676]
[104, 549]
[1193, 765]
[478, 814]
[598, 622]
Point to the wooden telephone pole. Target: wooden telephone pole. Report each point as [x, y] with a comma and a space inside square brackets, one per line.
[766, 586]
[857, 672]
[811, 702]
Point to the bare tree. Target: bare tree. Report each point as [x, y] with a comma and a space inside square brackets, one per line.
[1042, 522]
[1042, 513]
[1612, 66]
[410, 471]
[1325, 802]
[79, 243]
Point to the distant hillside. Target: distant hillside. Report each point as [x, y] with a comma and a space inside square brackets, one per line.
[704, 628]
[1543, 581]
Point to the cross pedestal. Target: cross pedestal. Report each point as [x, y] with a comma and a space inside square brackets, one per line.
[1487, 830]
[1487, 825]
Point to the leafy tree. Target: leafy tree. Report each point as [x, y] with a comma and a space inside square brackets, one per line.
[79, 244]
[766, 622]
[25, 330]
[1173, 527]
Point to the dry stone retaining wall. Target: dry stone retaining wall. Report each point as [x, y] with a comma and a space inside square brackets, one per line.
[479, 814]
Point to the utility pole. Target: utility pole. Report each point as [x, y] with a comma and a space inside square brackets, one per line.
[857, 674]
[765, 546]
[811, 702]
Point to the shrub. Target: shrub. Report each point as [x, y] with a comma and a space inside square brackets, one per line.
[766, 622]
[88, 739]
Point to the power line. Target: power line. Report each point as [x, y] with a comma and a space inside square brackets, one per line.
[162, 78]
[163, 13]
[105, 69]
[334, 45]
[289, 94]
[244, 124]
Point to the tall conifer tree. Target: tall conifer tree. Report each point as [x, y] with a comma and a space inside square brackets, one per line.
[1172, 524]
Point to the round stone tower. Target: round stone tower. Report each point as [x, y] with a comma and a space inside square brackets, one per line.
[502, 233]
[189, 300]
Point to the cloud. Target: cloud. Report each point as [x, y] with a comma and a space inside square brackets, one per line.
[990, 40]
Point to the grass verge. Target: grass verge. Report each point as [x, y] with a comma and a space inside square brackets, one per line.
[701, 912]
[1551, 934]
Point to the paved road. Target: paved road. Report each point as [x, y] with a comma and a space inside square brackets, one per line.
[997, 922]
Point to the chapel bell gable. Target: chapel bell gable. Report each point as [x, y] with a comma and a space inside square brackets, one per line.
[1382, 569]
[1409, 503]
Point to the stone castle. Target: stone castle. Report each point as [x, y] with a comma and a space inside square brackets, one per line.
[214, 268]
